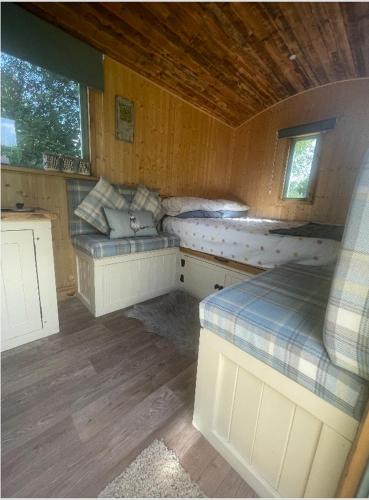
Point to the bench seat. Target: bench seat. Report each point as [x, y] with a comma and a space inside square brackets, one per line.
[99, 246]
[278, 317]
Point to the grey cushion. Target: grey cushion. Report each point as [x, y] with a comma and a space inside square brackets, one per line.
[126, 223]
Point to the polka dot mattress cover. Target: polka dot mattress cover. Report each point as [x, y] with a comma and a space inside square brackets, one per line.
[248, 241]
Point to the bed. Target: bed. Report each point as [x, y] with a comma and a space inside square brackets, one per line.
[247, 240]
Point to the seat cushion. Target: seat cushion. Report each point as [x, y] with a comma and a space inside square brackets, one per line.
[346, 332]
[278, 317]
[100, 246]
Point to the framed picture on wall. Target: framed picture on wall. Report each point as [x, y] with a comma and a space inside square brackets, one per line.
[125, 123]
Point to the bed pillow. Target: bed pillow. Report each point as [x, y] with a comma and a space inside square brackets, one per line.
[234, 214]
[91, 208]
[202, 214]
[125, 223]
[221, 214]
[179, 205]
[144, 199]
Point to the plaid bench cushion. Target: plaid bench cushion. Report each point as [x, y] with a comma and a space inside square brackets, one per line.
[278, 317]
[346, 333]
[100, 246]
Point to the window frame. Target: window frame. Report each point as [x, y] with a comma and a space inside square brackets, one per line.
[84, 113]
[313, 171]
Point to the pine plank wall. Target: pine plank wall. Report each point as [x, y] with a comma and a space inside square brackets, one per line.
[184, 151]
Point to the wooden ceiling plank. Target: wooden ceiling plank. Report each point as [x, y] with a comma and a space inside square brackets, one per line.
[356, 20]
[215, 80]
[290, 25]
[105, 38]
[229, 59]
[237, 48]
[273, 53]
[224, 72]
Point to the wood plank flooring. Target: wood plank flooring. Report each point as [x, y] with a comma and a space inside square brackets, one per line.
[79, 406]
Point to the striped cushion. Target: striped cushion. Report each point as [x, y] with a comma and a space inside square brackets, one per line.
[346, 333]
[91, 208]
[77, 190]
[278, 317]
[100, 246]
[147, 200]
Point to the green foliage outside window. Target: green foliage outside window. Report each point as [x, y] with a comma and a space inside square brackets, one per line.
[40, 112]
[300, 166]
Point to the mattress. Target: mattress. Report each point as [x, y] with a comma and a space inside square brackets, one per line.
[248, 241]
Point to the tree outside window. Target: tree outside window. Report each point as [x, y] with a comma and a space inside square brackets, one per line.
[40, 112]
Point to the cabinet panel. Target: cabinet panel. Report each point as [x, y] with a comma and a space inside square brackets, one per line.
[201, 278]
[21, 312]
[233, 277]
[271, 440]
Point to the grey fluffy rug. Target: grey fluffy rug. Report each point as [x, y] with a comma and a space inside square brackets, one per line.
[156, 473]
[174, 316]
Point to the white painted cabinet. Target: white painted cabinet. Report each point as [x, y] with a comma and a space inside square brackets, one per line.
[28, 302]
[201, 277]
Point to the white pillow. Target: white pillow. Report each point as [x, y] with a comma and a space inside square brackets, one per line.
[181, 204]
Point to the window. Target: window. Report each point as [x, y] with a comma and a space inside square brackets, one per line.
[301, 168]
[40, 112]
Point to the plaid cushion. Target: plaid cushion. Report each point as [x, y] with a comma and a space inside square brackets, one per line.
[147, 200]
[100, 246]
[278, 317]
[77, 190]
[346, 333]
[91, 208]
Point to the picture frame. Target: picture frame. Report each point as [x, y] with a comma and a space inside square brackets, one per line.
[124, 109]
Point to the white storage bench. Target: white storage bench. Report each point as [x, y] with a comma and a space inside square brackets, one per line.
[112, 283]
[267, 395]
[113, 274]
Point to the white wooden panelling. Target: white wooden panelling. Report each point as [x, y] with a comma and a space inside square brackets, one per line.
[202, 278]
[301, 449]
[112, 283]
[226, 384]
[271, 440]
[21, 311]
[85, 280]
[245, 413]
[329, 460]
[283, 439]
[29, 292]
[233, 277]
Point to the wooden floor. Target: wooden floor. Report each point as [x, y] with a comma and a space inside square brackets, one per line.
[78, 407]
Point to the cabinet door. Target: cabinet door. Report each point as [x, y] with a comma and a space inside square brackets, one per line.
[201, 279]
[233, 277]
[21, 312]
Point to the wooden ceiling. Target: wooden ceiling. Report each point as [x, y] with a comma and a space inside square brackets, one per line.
[230, 59]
